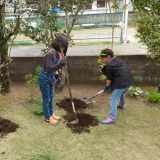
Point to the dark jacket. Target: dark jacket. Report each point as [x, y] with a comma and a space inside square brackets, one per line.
[119, 73]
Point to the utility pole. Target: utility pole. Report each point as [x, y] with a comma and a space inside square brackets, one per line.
[126, 2]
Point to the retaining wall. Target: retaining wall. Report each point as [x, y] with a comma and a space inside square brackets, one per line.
[85, 69]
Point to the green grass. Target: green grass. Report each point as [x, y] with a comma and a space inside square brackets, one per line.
[85, 43]
[135, 136]
[78, 28]
[23, 43]
[21, 40]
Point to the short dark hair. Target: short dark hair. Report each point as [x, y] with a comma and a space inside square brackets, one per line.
[60, 42]
[106, 52]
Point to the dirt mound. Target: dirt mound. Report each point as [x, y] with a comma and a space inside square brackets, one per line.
[67, 105]
[85, 120]
[6, 126]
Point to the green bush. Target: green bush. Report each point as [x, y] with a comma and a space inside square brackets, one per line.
[154, 97]
[135, 92]
[38, 110]
[102, 78]
[31, 81]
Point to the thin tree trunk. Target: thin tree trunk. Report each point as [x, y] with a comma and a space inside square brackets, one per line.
[67, 22]
[113, 20]
[74, 19]
[112, 23]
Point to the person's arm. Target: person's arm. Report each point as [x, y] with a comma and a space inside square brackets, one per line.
[108, 83]
[49, 63]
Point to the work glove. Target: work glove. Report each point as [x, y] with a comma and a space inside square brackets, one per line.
[58, 81]
[106, 88]
[63, 62]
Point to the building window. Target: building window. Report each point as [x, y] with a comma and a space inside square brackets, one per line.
[100, 3]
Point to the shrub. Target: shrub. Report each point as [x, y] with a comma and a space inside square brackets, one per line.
[135, 92]
[154, 97]
[31, 81]
[38, 110]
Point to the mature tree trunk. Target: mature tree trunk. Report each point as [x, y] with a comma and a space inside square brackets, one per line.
[4, 70]
[4, 54]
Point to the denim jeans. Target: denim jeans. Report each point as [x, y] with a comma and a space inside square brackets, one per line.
[47, 95]
[117, 95]
[45, 81]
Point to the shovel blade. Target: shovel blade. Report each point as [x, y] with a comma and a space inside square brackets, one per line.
[86, 100]
[74, 122]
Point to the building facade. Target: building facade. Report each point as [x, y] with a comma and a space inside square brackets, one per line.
[102, 4]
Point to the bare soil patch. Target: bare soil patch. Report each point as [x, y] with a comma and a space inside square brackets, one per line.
[85, 120]
[19, 95]
[6, 126]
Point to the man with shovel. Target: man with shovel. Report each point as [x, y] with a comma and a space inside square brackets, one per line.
[119, 79]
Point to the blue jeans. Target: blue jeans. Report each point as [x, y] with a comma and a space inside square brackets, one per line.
[45, 81]
[47, 95]
[118, 94]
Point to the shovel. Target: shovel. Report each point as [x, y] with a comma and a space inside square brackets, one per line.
[68, 84]
[88, 100]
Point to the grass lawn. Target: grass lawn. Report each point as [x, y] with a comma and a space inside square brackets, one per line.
[135, 136]
[83, 37]
[21, 40]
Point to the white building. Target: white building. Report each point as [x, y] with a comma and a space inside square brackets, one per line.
[102, 4]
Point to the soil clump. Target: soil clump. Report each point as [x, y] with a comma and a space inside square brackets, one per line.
[85, 120]
[6, 126]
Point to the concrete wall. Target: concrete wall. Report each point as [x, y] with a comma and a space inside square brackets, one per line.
[85, 69]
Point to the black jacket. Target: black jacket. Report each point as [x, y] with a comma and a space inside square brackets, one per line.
[119, 73]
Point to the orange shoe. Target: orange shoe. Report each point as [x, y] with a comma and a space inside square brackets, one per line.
[56, 117]
[51, 121]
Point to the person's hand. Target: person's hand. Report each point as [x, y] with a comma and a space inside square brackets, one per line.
[106, 88]
[58, 81]
[63, 62]
[60, 57]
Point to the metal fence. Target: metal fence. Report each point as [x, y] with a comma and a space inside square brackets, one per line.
[91, 19]
[96, 17]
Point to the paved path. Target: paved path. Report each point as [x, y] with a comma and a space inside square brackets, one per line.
[35, 51]
[93, 50]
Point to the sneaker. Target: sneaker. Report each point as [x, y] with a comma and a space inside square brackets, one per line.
[120, 107]
[51, 121]
[109, 120]
[56, 117]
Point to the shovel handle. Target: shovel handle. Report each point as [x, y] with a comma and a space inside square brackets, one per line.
[100, 92]
[94, 95]
[69, 88]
